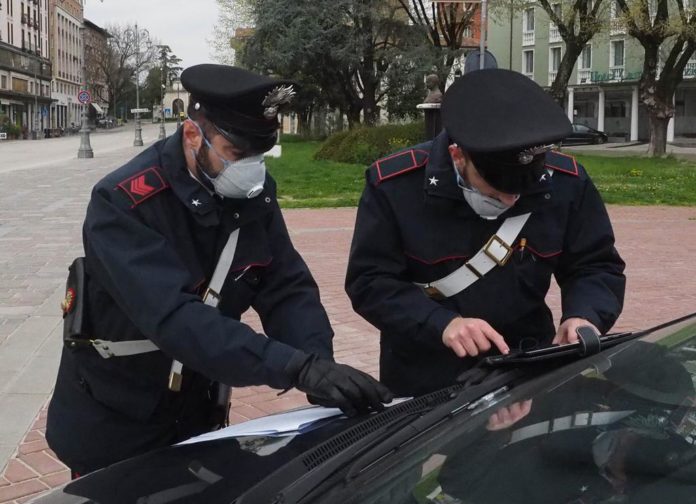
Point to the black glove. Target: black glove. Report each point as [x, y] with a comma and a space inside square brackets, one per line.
[335, 385]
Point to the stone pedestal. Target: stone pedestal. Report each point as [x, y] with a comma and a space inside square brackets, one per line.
[433, 121]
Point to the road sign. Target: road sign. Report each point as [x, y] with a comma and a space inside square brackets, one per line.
[84, 96]
[139, 110]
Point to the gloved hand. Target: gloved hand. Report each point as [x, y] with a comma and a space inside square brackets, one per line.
[335, 385]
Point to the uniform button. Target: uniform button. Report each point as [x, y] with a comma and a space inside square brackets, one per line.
[547, 196]
[236, 215]
[268, 199]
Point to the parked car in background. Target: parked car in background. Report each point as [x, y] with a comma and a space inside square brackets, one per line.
[603, 420]
[583, 134]
[106, 122]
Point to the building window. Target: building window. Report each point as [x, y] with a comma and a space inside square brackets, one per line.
[554, 59]
[615, 109]
[3, 82]
[586, 57]
[617, 53]
[528, 63]
[528, 27]
[528, 20]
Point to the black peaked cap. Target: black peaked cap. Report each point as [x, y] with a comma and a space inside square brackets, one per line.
[496, 116]
[233, 98]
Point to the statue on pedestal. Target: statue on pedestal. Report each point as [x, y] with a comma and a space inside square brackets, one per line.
[432, 83]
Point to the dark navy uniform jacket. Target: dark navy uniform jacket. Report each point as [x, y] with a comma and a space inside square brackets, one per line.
[152, 238]
[413, 225]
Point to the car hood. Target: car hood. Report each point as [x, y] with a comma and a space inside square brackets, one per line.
[655, 372]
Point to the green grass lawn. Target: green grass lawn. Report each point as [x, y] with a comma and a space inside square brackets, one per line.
[643, 181]
[304, 182]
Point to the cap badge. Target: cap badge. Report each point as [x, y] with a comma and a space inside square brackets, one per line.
[527, 156]
[280, 95]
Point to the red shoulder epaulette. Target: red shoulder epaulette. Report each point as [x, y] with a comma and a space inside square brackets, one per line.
[143, 185]
[562, 162]
[398, 164]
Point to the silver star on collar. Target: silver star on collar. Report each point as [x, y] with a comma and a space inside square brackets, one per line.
[196, 203]
[433, 181]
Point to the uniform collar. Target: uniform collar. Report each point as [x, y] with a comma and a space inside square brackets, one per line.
[209, 208]
[191, 193]
[441, 187]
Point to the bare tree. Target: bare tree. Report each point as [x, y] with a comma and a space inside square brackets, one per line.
[650, 22]
[578, 22]
[116, 63]
[445, 26]
[232, 14]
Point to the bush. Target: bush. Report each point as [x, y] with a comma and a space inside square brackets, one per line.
[13, 130]
[365, 145]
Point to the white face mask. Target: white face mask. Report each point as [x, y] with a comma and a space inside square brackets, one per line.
[485, 206]
[238, 179]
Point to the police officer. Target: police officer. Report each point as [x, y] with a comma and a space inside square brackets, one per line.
[161, 322]
[456, 239]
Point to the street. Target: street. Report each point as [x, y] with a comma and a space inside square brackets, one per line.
[44, 190]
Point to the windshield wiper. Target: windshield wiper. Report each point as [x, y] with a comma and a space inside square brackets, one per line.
[467, 398]
[589, 343]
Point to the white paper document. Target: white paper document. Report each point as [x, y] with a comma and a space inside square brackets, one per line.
[289, 423]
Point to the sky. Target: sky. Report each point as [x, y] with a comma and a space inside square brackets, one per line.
[183, 25]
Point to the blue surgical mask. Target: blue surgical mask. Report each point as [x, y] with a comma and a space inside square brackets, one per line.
[238, 179]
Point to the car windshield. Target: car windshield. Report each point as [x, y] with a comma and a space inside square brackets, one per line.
[617, 427]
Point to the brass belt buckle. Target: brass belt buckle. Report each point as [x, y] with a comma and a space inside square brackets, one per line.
[508, 250]
[433, 292]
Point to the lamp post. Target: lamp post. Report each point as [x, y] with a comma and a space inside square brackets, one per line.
[36, 107]
[177, 83]
[138, 141]
[85, 151]
[162, 132]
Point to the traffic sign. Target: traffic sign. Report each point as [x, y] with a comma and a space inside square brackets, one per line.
[84, 96]
[139, 110]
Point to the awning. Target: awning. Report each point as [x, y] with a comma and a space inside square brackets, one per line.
[98, 108]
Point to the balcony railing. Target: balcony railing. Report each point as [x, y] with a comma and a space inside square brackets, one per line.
[554, 33]
[584, 75]
[617, 73]
[690, 70]
[552, 76]
[527, 38]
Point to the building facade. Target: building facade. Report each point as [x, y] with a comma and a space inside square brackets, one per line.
[67, 55]
[96, 40]
[25, 66]
[603, 88]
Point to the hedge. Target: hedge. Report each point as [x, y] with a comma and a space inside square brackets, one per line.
[365, 145]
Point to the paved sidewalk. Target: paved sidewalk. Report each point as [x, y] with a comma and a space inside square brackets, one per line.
[41, 212]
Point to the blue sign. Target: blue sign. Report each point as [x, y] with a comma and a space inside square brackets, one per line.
[44, 111]
[84, 96]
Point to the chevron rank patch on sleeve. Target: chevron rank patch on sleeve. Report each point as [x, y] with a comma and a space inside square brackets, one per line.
[143, 185]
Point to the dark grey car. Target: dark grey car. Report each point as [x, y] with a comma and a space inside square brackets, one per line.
[608, 421]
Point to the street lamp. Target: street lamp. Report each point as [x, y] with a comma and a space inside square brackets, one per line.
[138, 141]
[162, 131]
[36, 107]
[85, 151]
[177, 83]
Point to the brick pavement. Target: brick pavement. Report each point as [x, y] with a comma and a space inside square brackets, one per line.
[40, 219]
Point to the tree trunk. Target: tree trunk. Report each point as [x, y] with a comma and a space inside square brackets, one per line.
[559, 87]
[658, 136]
[353, 116]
